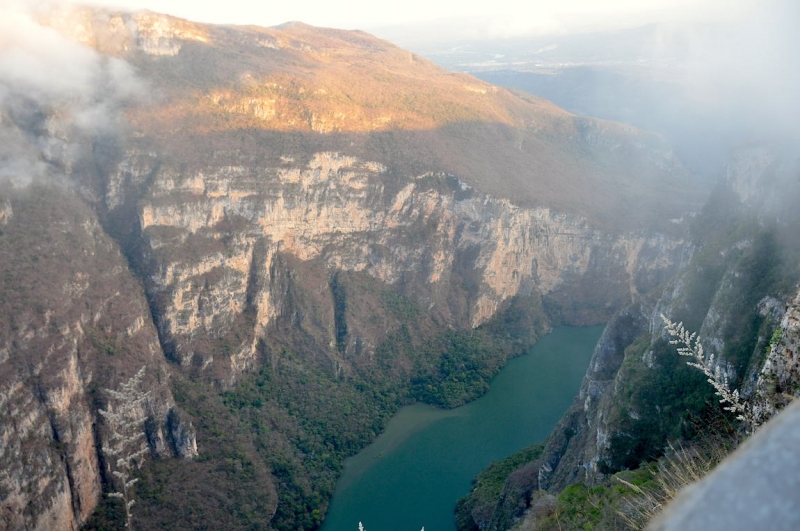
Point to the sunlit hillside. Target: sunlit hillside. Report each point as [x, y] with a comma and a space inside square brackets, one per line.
[296, 89]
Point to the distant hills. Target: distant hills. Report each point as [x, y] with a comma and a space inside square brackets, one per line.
[310, 89]
[707, 87]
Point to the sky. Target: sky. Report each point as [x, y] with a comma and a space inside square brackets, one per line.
[504, 16]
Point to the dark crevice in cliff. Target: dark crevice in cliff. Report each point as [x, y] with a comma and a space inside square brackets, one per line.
[339, 297]
[465, 281]
[258, 262]
[103, 467]
[121, 222]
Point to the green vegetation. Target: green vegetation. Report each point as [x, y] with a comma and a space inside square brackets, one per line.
[582, 507]
[109, 515]
[323, 420]
[400, 306]
[273, 445]
[620, 501]
[598, 507]
[507, 492]
[467, 361]
[488, 488]
[655, 406]
[276, 442]
[228, 482]
[630, 498]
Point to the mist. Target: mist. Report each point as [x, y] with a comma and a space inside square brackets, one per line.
[751, 68]
[707, 84]
[56, 96]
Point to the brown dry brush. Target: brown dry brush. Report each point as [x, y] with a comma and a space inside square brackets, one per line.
[679, 467]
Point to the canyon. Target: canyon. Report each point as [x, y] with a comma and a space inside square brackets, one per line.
[738, 290]
[260, 214]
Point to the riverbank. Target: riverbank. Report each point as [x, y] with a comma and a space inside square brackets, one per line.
[414, 473]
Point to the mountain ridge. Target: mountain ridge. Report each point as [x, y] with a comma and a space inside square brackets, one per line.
[337, 90]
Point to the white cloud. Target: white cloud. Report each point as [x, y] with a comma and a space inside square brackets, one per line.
[53, 91]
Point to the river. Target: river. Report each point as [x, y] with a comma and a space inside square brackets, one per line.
[414, 473]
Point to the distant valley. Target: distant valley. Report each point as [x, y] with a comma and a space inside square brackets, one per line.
[702, 86]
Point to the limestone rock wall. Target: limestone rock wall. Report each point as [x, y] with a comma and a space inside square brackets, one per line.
[75, 323]
[581, 438]
[212, 235]
[744, 237]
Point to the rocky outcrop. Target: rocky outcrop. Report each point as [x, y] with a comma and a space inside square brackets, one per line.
[727, 291]
[213, 236]
[778, 381]
[76, 323]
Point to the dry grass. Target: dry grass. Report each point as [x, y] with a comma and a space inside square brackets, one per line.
[681, 466]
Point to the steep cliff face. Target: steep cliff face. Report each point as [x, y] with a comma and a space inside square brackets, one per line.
[75, 320]
[734, 291]
[213, 235]
[75, 323]
[779, 379]
[466, 196]
[574, 448]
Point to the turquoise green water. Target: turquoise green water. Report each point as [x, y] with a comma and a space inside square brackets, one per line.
[414, 473]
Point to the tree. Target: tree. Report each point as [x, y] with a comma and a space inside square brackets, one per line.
[125, 418]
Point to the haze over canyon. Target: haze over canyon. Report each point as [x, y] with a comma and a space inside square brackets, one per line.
[296, 230]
